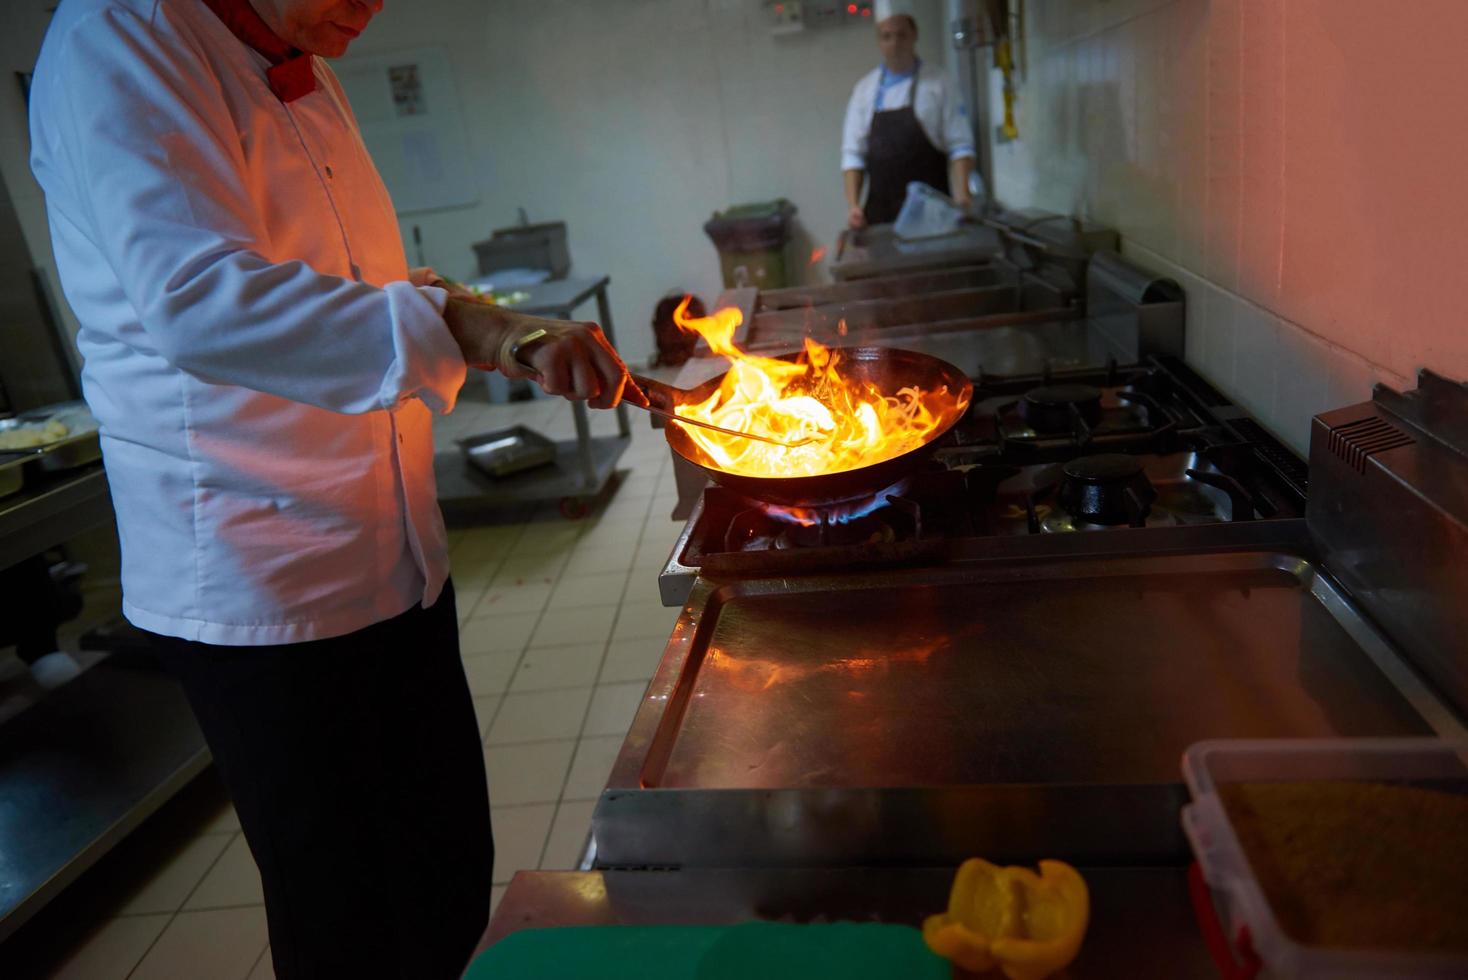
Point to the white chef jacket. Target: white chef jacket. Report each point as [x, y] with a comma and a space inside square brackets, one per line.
[262, 370]
[939, 111]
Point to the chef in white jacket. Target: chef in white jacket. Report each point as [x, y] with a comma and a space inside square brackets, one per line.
[904, 123]
[264, 367]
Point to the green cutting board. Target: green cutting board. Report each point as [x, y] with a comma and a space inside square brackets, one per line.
[749, 951]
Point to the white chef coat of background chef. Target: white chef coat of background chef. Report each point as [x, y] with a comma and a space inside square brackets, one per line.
[939, 110]
[261, 368]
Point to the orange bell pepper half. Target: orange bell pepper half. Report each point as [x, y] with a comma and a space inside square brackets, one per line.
[1028, 925]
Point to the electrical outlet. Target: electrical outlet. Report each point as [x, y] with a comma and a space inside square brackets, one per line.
[785, 16]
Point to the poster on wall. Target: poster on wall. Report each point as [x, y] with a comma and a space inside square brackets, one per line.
[412, 124]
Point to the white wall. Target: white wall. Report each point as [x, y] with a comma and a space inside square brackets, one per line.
[1296, 164]
[633, 121]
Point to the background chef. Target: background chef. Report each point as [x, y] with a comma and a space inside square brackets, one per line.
[903, 123]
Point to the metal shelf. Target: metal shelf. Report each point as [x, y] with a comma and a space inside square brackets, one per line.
[53, 512]
[81, 768]
[84, 765]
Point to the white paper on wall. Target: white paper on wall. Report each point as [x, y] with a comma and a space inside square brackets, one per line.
[409, 112]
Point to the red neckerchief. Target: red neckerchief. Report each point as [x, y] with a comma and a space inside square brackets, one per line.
[290, 74]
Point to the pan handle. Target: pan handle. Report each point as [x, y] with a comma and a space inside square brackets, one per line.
[659, 394]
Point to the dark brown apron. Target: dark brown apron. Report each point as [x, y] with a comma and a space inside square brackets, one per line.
[898, 152]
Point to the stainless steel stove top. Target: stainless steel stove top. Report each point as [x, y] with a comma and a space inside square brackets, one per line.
[1119, 449]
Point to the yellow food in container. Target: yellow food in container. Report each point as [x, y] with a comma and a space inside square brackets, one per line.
[32, 436]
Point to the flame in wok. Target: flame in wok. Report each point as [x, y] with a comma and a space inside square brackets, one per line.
[851, 423]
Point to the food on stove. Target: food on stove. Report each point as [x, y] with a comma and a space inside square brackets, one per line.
[1364, 865]
[848, 421]
[1028, 925]
[31, 436]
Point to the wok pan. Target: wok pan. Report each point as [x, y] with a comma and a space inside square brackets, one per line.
[888, 370]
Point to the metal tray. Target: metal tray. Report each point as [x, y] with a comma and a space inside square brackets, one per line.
[508, 451]
[81, 446]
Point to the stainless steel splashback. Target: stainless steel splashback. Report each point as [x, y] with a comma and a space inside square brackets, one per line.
[1388, 509]
[1133, 309]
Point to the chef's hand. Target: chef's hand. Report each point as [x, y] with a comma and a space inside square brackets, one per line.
[572, 358]
[422, 275]
[566, 357]
[856, 217]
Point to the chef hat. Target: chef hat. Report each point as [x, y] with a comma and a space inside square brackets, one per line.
[882, 9]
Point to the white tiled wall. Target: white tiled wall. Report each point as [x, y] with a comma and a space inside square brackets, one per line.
[633, 122]
[1294, 164]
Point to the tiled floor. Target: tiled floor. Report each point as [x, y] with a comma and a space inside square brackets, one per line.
[560, 630]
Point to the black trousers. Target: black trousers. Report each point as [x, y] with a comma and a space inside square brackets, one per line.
[356, 768]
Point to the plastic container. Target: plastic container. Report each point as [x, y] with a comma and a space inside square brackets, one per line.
[926, 213]
[1248, 924]
[753, 242]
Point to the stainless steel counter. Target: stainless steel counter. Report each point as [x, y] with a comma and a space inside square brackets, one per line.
[1011, 707]
[877, 251]
[1141, 921]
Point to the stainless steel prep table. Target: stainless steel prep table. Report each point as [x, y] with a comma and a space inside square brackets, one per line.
[1017, 700]
[778, 770]
[582, 467]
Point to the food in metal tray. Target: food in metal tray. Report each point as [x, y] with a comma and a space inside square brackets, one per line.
[1358, 864]
[32, 435]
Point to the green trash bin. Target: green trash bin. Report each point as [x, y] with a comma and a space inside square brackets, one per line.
[754, 243]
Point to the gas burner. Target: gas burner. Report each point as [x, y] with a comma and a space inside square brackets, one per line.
[1056, 408]
[1106, 490]
[823, 534]
[1114, 492]
[762, 526]
[1070, 417]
